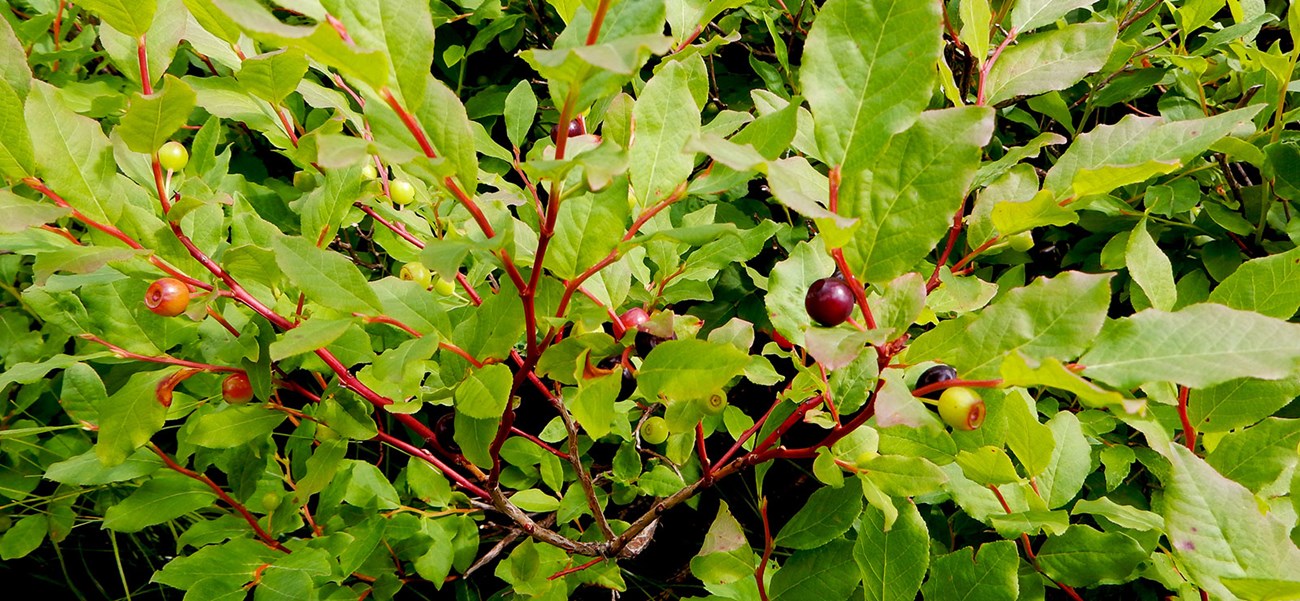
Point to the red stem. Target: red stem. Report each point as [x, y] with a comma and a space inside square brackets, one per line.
[146, 83]
[767, 550]
[1189, 432]
[953, 233]
[597, 20]
[266, 537]
[567, 571]
[125, 354]
[424, 454]
[937, 386]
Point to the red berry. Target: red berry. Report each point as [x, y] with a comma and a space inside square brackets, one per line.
[236, 389]
[829, 301]
[961, 408]
[167, 297]
[633, 318]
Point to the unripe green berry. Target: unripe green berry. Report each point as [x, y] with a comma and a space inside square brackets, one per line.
[401, 191]
[418, 273]
[654, 430]
[173, 156]
[961, 408]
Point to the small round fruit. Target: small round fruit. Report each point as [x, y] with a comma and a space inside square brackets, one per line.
[368, 170]
[577, 127]
[401, 191]
[444, 431]
[829, 301]
[654, 430]
[443, 286]
[936, 374]
[627, 386]
[1022, 241]
[646, 342]
[270, 501]
[633, 318]
[304, 181]
[173, 156]
[715, 403]
[236, 389]
[167, 297]
[418, 273]
[961, 408]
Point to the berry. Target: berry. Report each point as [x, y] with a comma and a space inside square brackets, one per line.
[444, 431]
[715, 403]
[236, 389]
[368, 170]
[936, 374]
[401, 191]
[961, 408]
[270, 501]
[1022, 241]
[418, 273]
[654, 430]
[173, 156]
[633, 318]
[646, 342]
[577, 127]
[443, 286]
[167, 297]
[829, 301]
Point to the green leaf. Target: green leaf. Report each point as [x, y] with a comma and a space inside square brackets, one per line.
[976, 18]
[493, 329]
[1070, 464]
[1030, 441]
[666, 120]
[867, 73]
[274, 75]
[1089, 182]
[903, 476]
[16, 154]
[86, 470]
[24, 537]
[589, 227]
[1084, 556]
[1238, 403]
[21, 213]
[235, 426]
[1016, 371]
[1055, 317]
[906, 196]
[131, 416]
[964, 575]
[1124, 515]
[308, 336]
[892, 559]
[403, 29]
[593, 405]
[1197, 346]
[232, 563]
[1054, 60]
[520, 111]
[683, 370]
[485, 392]
[828, 513]
[988, 466]
[1256, 456]
[1140, 139]
[822, 574]
[131, 17]
[325, 277]
[1032, 14]
[1216, 530]
[72, 155]
[447, 125]
[1012, 217]
[150, 120]
[161, 499]
[535, 500]
[1150, 268]
[1267, 285]
[475, 436]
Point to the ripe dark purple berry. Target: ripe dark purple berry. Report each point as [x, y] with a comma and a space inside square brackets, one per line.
[936, 374]
[577, 127]
[829, 301]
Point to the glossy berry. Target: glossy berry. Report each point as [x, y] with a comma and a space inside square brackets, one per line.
[443, 286]
[577, 127]
[936, 374]
[715, 403]
[368, 170]
[829, 301]
[418, 273]
[633, 318]
[401, 191]
[646, 342]
[173, 156]
[961, 408]
[654, 430]
[167, 297]
[236, 389]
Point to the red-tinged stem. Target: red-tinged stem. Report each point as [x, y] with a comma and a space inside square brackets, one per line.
[125, 354]
[859, 291]
[539, 442]
[597, 19]
[937, 386]
[705, 467]
[767, 550]
[61, 232]
[1024, 537]
[1189, 432]
[464, 284]
[424, 454]
[980, 99]
[146, 82]
[953, 233]
[160, 184]
[58, 24]
[744, 436]
[339, 28]
[974, 253]
[567, 571]
[288, 127]
[266, 537]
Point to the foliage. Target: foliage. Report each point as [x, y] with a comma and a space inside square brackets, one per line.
[423, 232]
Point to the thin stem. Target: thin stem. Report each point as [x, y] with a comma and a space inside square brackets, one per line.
[953, 233]
[937, 386]
[164, 359]
[1189, 432]
[767, 550]
[980, 99]
[266, 537]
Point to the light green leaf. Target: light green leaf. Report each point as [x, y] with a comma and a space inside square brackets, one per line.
[868, 73]
[1057, 317]
[520, 111]
[988, 466]
[403, 29]
[1032, 14]
[892, 559]
[1084, 556]
[447, 125]
[1198, 346]
[131, 416]
[1124, 515]
[1017, 371]
[72, 155]
[1050, 61]
[682, 370]
[485, 392]
[274, 75]
[1071, 461]
[1256, 456]
[828, 513]
[1030, 441]
[21, 213]
[1150, 268]
[132, 17]
[1089, 182]
[822, 574]
[151, 120]
[1012, 217]
[1238, 403]
[325, 277]
[235, 426]
[312, 334]
[906, 196]
[535, 500]
[1268, 285]
[976, 18]
[161, 499]
[665, 120]
[963, 575]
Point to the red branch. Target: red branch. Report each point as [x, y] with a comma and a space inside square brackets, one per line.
[266, 537]
[1189, 432]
